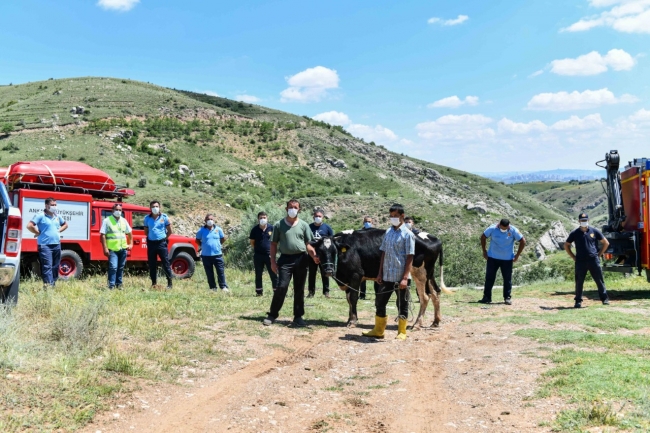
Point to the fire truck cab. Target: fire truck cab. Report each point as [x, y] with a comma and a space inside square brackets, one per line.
[84, 204]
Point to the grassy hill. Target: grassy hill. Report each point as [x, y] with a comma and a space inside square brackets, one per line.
[572, 197]
[242, 157]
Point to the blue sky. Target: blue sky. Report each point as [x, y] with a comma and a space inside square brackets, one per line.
[476, 85]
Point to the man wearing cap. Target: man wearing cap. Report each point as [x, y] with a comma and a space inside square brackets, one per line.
[500, 256]
[587, 257]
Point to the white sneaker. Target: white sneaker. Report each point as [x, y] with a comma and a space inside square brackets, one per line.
[225, 290]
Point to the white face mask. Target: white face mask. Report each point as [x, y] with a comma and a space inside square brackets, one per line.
[292, 213]
[263, 221]
[503, 230]
[395, 221]
[52, 208]
[408, 225]
[155, 210]
[318, 220]
[117, 213]
[584, 223]
[209, 223]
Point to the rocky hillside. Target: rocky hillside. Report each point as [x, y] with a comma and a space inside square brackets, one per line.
[571, 197]
[196, 153]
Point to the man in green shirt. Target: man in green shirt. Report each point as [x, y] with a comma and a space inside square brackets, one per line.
[291, 236]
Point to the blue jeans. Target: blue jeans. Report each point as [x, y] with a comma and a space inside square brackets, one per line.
[50, 258]
[217, 262]
[491, 268]
[116, 262]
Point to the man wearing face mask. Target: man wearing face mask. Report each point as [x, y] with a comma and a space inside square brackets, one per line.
[209, 238]
[318, 229]
[409, 222]
[587, 257]
[158, 229]
[47, 226]
[397, 251]
[117, 240]
[500, 256]
[260, 239]
[292, 237]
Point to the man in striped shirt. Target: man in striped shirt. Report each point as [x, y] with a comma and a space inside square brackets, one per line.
[397, 251]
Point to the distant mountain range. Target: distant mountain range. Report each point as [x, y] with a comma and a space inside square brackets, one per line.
[559, 175]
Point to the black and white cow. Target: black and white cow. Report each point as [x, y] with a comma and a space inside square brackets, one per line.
[353, 256]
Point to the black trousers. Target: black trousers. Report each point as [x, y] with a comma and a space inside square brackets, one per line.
[592, 266]
[362, 287]
[157, 249]
[382, 296]
[290, 266]
[313, 269]
[491, 269]
[260, 261]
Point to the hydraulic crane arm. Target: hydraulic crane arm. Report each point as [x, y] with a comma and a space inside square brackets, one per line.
[615, 211]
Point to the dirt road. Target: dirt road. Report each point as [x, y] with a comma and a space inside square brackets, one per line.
[466, 376]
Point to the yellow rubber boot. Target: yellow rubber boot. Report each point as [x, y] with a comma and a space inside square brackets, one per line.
[401, 329]
[378, 330]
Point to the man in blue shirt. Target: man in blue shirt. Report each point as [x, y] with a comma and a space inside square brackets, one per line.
[260, 239]
[319, 229]
[587, 257]
[158, 229]
[397, 251]
[210, 237]
[47, 226]
[500, 256]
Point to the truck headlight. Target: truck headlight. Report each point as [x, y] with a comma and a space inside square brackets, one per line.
[7, 274]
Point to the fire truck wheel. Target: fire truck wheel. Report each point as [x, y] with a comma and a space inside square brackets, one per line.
[10, 294]
[71, 265]
[182, 265]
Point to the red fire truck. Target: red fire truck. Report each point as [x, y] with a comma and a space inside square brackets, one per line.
[84, 196]
[628, 215]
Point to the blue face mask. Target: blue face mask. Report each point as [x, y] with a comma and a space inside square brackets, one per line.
[367, 225]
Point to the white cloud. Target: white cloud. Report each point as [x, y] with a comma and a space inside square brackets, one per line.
[536, 73]
[564, 101]
[510, 127]
[450, 128]
[333, 118]
[627, 16]
[310, 85]
[249, 99]
[594, 63]
[378, 133]
[451, 22]
[210, 93]
[641, 116]
[574, 123]
[118, 5]
[454, 102]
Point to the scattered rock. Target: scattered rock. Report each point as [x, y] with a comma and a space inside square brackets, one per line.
[168, 183]
[479, 207]
[336, 163]
[552, 240]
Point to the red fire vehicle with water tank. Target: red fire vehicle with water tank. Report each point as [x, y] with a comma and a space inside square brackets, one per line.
[85, 196]
[627, 207]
